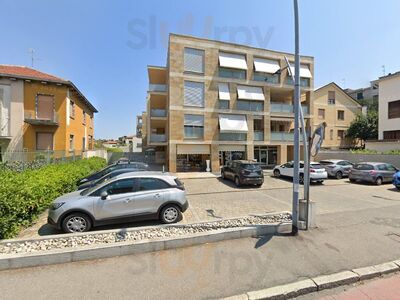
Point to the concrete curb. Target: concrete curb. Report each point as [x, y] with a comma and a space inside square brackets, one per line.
[131, 247]
[319, 283]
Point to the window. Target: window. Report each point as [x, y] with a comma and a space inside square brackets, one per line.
[45, 107]
[83, 144]
[360, 96]
[194, 60]
[269, 78]
[194, 94]
[382, 167]
[150, 184]
[321, 113]
[71, 109]
[394, 109]
[71, 142]
[250, 105]
[44, 141]
[223, 104]
[91, 122]
[391, 135]
[232, 73]
[390, 167]
[341, 134]
[331, 97]
[193, 126]
[90, 145]
[83, 118]
[331, 134]
[265, 69]
[304, 82]
[117, 187]
[232, 136]
[340, 115]
[364, 167]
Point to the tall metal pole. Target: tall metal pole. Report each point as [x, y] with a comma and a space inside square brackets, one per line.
[295, 212]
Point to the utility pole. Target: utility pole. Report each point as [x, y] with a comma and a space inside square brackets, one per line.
[295, 209]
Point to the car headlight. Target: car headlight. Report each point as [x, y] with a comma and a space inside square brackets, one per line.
[56, 205]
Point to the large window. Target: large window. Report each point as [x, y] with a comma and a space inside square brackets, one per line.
[223, 104]
[304, 82]
[249, 105]
[266, 77]
[194, 60]
[232, 73]
[44, 141]
[227, 136]
[194, 126]
[394, 109]
[194, 93]
[340, 115]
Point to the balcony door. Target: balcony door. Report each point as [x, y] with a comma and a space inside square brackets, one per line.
[45, 107]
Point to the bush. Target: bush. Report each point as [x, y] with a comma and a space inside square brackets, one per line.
[25, 195]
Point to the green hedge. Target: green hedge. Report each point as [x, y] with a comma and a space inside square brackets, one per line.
[24, 195]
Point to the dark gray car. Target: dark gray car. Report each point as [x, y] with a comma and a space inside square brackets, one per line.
[336, 167]
[373, 172]
[243, 172]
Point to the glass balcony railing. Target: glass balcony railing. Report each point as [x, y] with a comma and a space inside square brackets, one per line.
[155, 112]
[224, 136]
[258, 135]
[157, 87]
[283, 136]
[286, 108]
[158, 138]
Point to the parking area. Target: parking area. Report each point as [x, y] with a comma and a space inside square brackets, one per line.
[214, 199]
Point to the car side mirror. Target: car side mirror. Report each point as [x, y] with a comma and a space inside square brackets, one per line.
[104, 195]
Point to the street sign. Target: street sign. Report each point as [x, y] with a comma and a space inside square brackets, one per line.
[317, 139]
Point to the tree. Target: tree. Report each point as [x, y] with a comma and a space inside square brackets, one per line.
[364, 127]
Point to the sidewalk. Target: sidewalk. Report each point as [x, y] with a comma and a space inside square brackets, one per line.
[387, 288]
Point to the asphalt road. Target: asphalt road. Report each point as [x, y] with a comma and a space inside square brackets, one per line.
[358, 225]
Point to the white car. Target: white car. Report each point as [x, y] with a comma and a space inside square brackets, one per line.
[317, 172]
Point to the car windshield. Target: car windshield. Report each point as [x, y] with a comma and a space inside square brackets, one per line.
[251, 166]
[88, 190]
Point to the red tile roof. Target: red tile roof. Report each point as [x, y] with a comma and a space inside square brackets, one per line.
[28, 73]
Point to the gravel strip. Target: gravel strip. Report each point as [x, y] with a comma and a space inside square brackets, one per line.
[137, 235]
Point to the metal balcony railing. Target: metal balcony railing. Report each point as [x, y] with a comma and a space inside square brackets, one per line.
[32, 117]
[155, 112]
[158, 138]
[157, 87]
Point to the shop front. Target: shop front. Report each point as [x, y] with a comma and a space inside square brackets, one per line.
[267, 156]
[192, 158]
[231, 152]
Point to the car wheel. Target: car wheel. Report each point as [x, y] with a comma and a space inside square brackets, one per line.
[76, 222]
[339, 175]
[352, 180]
[301, 178]
[398, 187]
[170, 214]
[258, 185]
[237, 181]
[277, 173]
[378, 181]
[223, 175]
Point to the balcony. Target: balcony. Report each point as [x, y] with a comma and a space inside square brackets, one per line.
[31, 117]
[224, 136]
[158, 113]
[283, 136]
[258, 135]
[286, 108]
[161, 88]
[158, 138]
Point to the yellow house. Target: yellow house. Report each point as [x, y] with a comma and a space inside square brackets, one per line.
[52, 114]
[337, 109]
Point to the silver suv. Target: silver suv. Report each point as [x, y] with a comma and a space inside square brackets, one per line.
[126, 198]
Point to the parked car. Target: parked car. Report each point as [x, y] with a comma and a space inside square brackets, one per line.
[106, 177]
[243, 172]
[396, 180]
[317, 172]
[373, 172]
[125, 198]
[123, 165]
[336, 167]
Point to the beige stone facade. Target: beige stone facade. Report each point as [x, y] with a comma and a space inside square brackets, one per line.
[267, 135]
[337, 109]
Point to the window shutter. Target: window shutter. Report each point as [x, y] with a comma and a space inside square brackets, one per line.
[194, 120]
[194, 60]
[44, 141]
[194, 94]
[45, 107]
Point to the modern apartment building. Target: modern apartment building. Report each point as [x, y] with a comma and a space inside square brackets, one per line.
[216, 101]
[337, 109]
[40, 112]
[389, 107]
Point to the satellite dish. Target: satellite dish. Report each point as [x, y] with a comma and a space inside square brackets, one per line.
[317, 139]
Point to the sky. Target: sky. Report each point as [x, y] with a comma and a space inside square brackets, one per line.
[104, 47]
